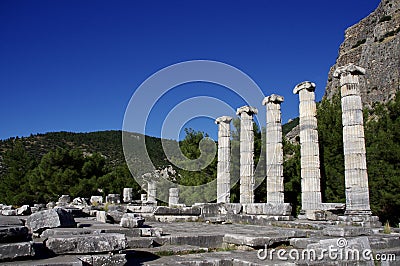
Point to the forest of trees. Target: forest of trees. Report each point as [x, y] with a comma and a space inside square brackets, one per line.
[40, 168]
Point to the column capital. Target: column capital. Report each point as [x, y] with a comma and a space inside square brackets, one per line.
[224, 119]
[247, 109]
[273, 98]
[308, 85]
[348, 69]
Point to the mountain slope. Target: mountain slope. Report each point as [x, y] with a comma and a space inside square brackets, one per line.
[374, 44]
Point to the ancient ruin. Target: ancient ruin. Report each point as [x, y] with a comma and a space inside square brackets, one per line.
[109, 231]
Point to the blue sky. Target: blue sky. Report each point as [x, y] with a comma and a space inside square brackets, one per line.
[74, 65]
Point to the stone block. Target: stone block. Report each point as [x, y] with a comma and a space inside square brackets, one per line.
[56, 217]
[274, 209]
[140, 242]
[115, 216]
[13, 234]
[69, 232]
[64, 199]
[9, 212]
[86, 244]
[192, 211]
[101, 216]
[11, 251]
[104, 260]
[346, 231]
[24, 210]
[96, 200]
[131, 220]
[10, 220]
[113, 198]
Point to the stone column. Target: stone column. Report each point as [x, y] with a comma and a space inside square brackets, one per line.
[224, 158]
[127, 195]
[173, 197]
[247, 181]
[274, 149]
[151, 191]
[355, 164]
[309, 149]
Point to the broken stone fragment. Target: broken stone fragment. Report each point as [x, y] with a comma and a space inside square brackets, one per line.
[56, 217]
[86, 244]
[24, 210]
[10, 251]
[14, 233]
[131, 220]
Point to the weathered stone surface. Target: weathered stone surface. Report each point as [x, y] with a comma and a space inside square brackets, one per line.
[69, 232]
[223, 166]
[356, 176]
[127, 195]
[9, 212]
[346, 231]
[24, 210]
[113, 198]
[131, 220]
[192, 211]
[274, 150]
[104, 260]
[274, 209]
[309, 149]
[101, 216]
[10, 220]
[42, 220]
[11, 251]
[173, 199]
[86, 244]
[140, 242]
[247, 181]
[64, 199]
[96, 200]
[115, 216]
[372, 44]
[13, 234]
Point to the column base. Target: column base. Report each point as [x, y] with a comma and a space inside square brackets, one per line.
[365, 220]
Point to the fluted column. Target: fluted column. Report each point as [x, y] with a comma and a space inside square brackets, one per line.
[309, 149]
[247, 182]
[356, 176]
[274, 149]
[151, 191]
[224, 158]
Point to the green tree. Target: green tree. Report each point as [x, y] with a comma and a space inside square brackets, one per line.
[14, 187]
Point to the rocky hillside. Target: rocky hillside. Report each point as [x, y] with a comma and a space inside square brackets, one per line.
[374, 44]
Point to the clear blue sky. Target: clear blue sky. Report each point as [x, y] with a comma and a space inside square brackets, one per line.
[73, 65]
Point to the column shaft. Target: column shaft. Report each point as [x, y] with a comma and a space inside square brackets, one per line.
[223, 166]
[309, 148]
[247, 181]
[356, 176]
[274, 149]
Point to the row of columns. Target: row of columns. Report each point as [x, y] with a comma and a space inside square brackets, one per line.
[356, 178]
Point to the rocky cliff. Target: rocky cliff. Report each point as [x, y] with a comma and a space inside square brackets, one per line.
[374, 44]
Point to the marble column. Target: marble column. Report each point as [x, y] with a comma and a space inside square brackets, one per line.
[151, 191]
[309, 149]
[356, 177]
[173, 197]
[274, 149]
[247, 181]
[224, 158]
